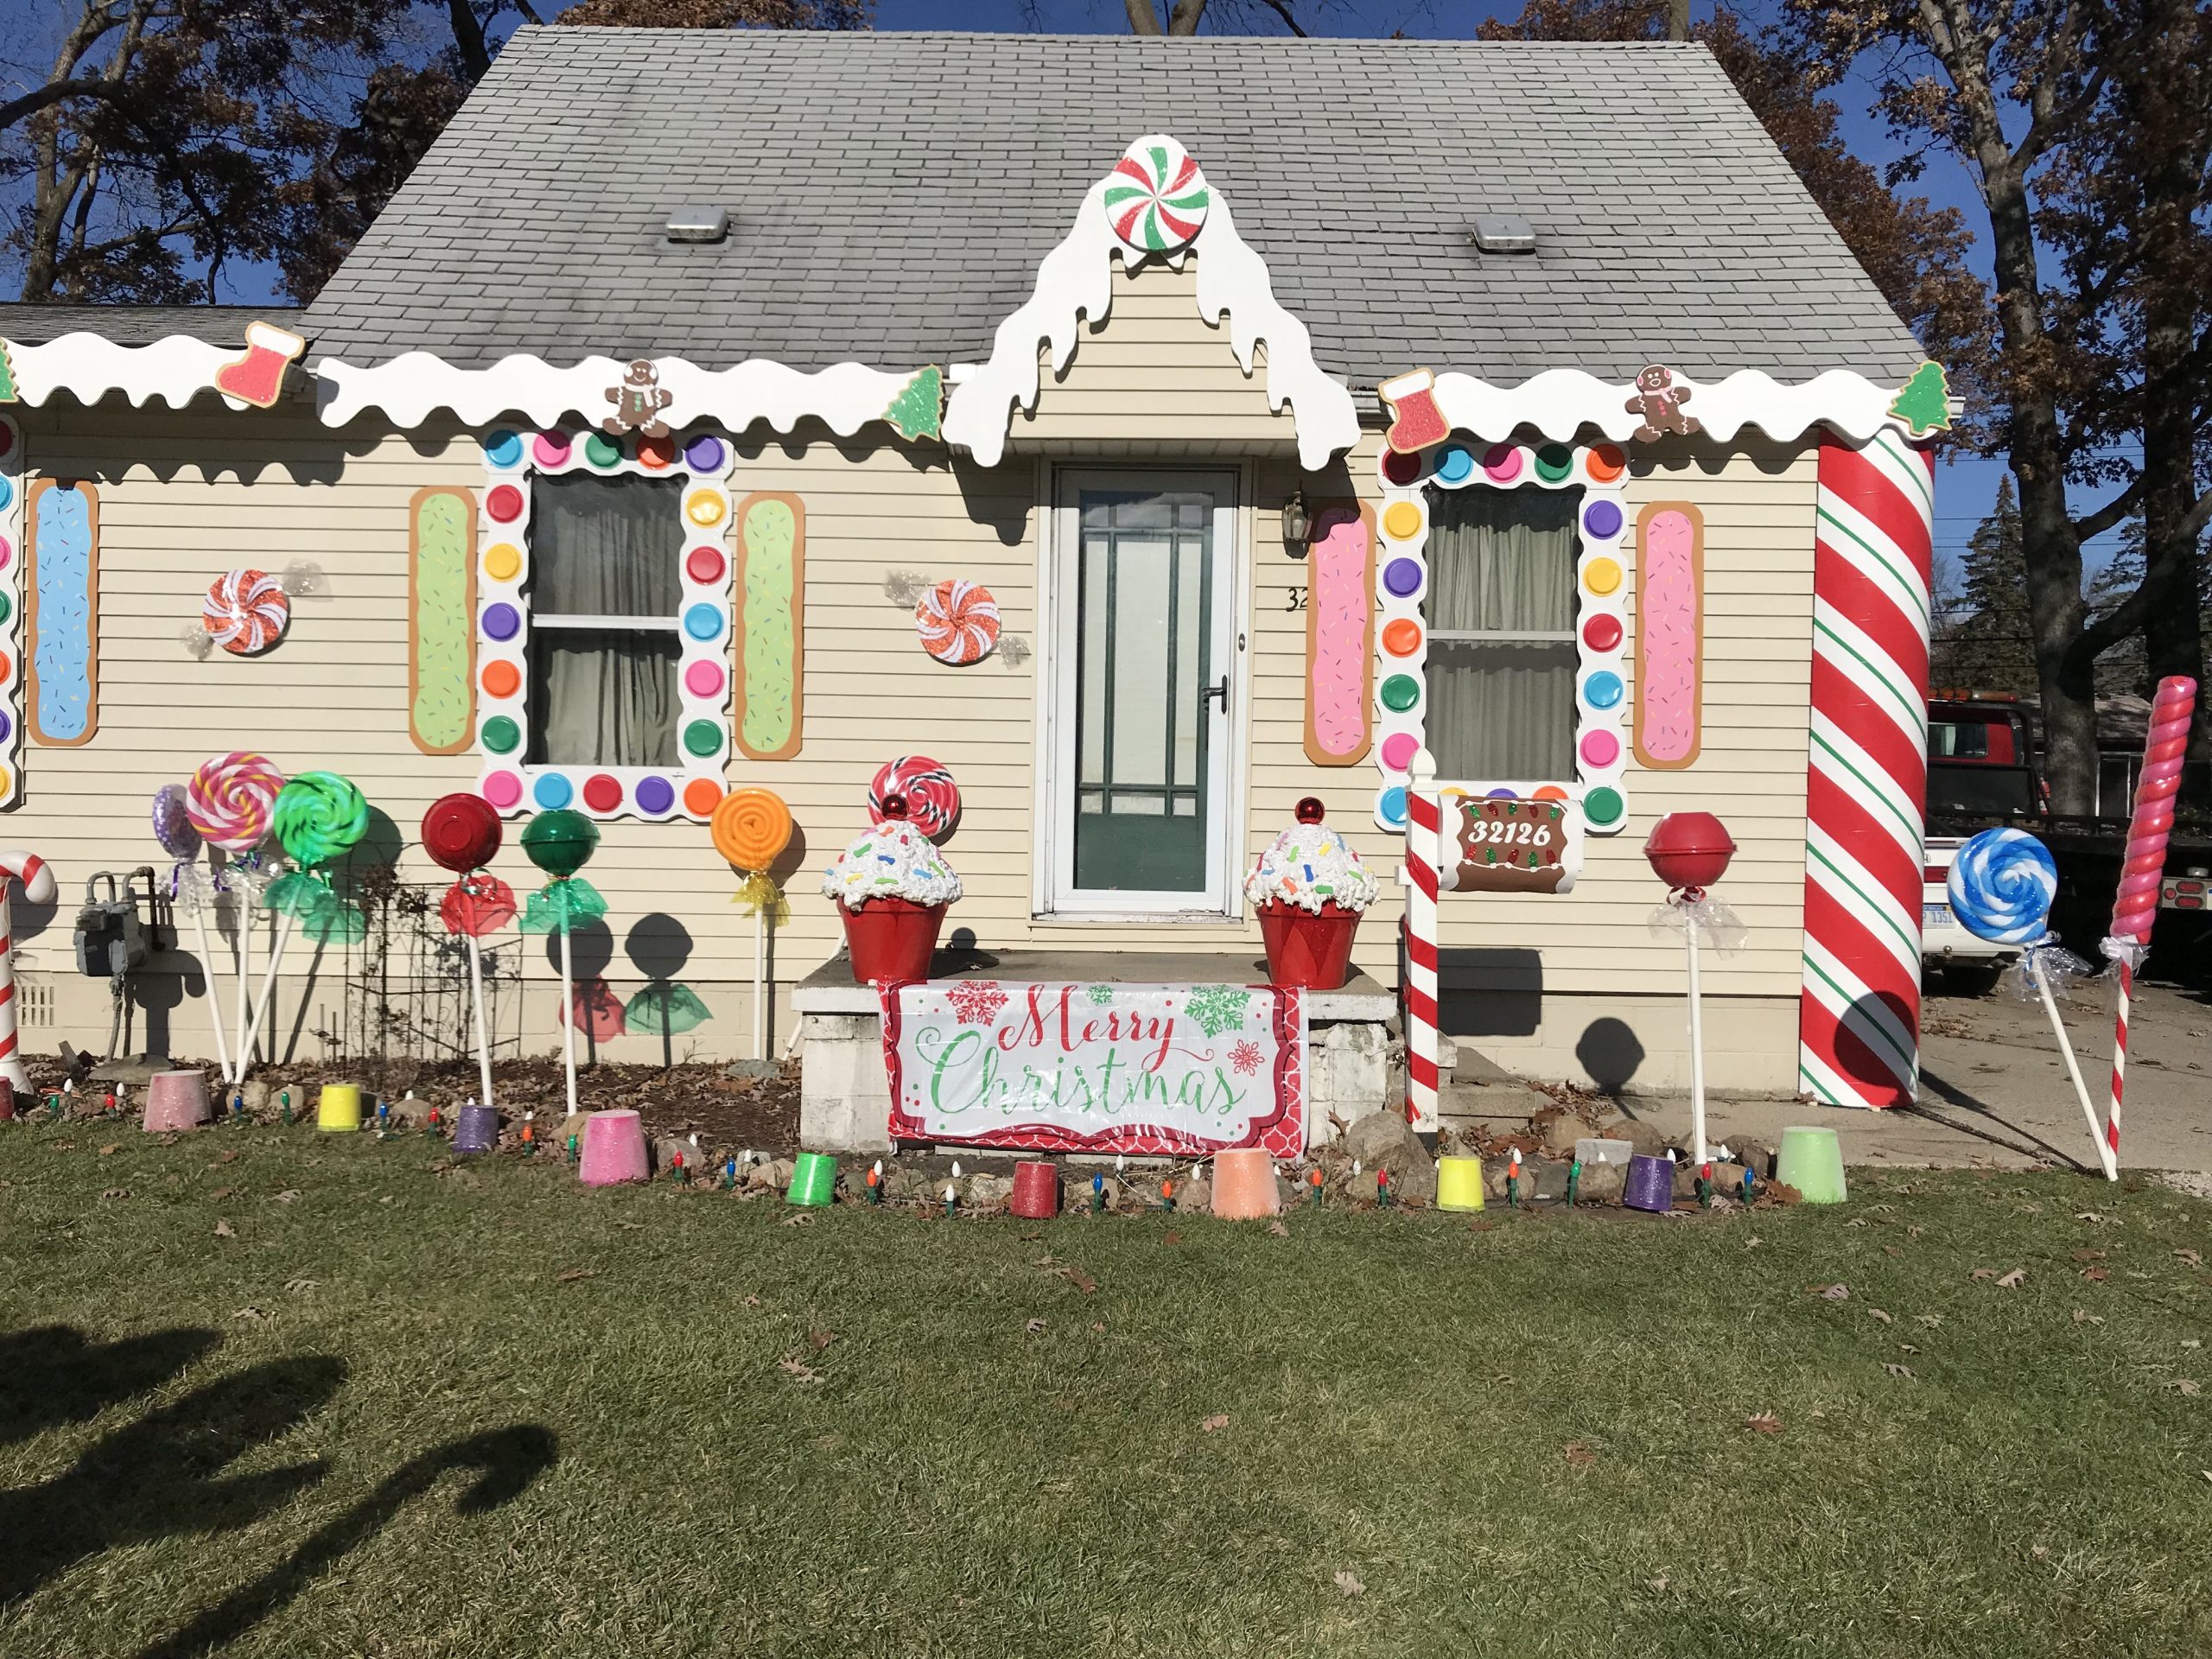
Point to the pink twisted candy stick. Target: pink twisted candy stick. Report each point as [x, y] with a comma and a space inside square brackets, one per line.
[2141, 876]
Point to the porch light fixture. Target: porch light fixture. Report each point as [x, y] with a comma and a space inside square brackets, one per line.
[1295, 524]
[698, 223]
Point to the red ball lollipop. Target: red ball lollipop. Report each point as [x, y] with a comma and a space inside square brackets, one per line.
[461, 832]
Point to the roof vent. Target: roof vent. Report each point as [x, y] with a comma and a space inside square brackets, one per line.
[698, 223]
[1504, 233]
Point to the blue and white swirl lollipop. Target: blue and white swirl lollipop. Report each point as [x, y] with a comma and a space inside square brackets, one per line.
[2001, 884]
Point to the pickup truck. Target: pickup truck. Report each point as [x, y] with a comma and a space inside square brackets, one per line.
[1983, 770]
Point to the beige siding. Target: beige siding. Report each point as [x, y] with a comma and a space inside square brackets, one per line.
[184, 496]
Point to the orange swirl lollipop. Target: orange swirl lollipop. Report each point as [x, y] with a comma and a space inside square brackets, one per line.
[751, 828]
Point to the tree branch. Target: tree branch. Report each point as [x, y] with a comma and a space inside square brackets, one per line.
[2120, 507]
[1282, 8]
[1183, 16]
[46, 96]
[1143, 20]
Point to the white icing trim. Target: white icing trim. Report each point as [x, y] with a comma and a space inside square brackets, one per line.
[408, 388]
[1559, 404]
[15, 477]
[88, 367]
[1075, 281]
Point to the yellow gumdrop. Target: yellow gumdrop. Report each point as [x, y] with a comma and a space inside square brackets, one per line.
[1603, 576]
[503, 562]
[1401, 521]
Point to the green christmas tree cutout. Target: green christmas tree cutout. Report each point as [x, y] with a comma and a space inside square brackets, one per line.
[1924, 405]
[7, 375]
[914, 413]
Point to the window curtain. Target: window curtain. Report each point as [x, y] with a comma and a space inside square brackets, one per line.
[1502, 561]
[605, 547]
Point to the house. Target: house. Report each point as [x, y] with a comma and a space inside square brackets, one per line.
[1540, 354]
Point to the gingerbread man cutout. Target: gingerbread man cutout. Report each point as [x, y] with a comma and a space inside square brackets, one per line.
[637, 402]
[1660, 401]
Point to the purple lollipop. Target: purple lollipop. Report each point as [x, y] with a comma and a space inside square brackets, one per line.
[171, 827]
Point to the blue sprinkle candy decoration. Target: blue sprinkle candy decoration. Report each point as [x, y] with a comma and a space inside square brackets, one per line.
[2001, 884]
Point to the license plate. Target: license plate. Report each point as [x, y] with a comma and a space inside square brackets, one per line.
[1935, 915]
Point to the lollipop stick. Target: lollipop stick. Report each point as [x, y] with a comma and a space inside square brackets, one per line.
[760, 982]
[568, 1013]
[268, 985]
[476, 996]
[214, 1002]
[245, 924]
[2081, 1089]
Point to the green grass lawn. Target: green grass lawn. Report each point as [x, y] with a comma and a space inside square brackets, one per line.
[478, 1412]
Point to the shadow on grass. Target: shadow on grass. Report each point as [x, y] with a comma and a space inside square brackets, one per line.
[161, 1475]
[506, 1460]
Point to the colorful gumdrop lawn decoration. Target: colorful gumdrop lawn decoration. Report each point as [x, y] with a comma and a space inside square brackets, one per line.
[2001, 885]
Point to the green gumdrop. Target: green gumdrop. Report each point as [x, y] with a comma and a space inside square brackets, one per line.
[560, 843]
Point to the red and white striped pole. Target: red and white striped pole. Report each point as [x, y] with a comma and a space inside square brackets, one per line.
[17, 865]
[1424, 855]
[1866, 782]
[2142, 878]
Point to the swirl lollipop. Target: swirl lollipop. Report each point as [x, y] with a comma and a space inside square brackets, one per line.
[2001, 884]
[751, 828]
[319, 816]
[231, 799]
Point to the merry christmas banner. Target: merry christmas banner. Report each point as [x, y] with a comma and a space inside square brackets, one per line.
[1183, 1070]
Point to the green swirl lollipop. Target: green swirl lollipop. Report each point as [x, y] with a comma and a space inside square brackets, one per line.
[320, 816]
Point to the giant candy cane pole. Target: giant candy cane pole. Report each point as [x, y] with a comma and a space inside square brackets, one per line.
[1423, 857]
[2142, 876]
[17, 865]
[1867, 778]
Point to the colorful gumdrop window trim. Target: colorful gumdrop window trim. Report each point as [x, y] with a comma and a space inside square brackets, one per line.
[701, 623]
[1604, 535]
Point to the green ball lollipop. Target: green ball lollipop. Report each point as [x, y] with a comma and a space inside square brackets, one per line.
[560, 843]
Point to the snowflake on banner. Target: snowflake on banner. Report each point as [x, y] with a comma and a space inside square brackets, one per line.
[977, 1001]
[1218, 1007]
[1245, 1059]
[1101, 995]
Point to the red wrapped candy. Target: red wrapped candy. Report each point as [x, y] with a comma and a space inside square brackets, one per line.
[477, 905]
[461, 832]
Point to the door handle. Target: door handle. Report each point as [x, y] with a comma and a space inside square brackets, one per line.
[1221, 691]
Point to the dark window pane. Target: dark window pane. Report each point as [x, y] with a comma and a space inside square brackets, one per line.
[605, 546]
[1502, 712]
[602, 698]
[1502, 559]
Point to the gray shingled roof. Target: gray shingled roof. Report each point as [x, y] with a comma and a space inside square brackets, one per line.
[891, 196]
[136, 325]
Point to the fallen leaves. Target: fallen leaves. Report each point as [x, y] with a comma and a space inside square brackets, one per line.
[2185, 1386]
[222, 1192]
[2095, 1219]
[251, 1315]
[1877, 1313]
[1830, 1293]
[116, 1192]
[1983, 1273]
[2082, 1316]
[573, 1275]
[1764, 1422]
[289, 1195]
[2089, 1255]
[2013, 1280]
[1171, 1236]
[1033, 1327]
[302, 1286]
[224, 1229]
[111, 1148]
[1082, 1281]
[752, 1301]
[797, 1369]
[1351, 1586]
[1896, 1370]
[1277, 1230]
[821, 1339]
[799, 1220]
[1579, 1456]
[2191, 1257]
[1214, 1424]
[2095, 1275]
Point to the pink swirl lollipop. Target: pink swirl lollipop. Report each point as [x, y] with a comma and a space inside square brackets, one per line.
[231, 799]
[932, 798]
[2136, 904]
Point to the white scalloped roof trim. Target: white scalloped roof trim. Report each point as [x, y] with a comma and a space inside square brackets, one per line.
[1075, 281]
[88, 367]
[844, 397]
[1559, 403]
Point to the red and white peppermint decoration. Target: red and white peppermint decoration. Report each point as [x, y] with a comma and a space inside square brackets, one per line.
[246, 612]
[958, 622]
[1156, 197]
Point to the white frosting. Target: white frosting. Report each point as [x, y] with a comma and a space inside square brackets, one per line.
[1308, 864]
[892, 860]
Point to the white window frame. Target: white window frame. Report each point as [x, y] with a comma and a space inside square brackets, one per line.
[1054, 896]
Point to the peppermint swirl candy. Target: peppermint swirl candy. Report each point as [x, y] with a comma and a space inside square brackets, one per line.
[172, 828]
[2001, 884]
[1156, 198]
[246, 612]
[320, 816]
[932, 798]
[231, 798]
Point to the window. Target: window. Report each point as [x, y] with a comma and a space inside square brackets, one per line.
[1502, 656]
[603, 618]
[606, 554]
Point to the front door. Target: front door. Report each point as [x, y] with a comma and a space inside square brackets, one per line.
[1139, 729]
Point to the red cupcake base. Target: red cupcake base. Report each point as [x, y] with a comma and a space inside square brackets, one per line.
[891, 939]
[1309, 951]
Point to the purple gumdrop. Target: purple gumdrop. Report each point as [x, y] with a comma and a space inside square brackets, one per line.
[501, 621]
[171, 827]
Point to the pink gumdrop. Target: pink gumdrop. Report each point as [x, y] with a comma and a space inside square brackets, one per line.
[1398, 750]
[502, 789]
[702, 679]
